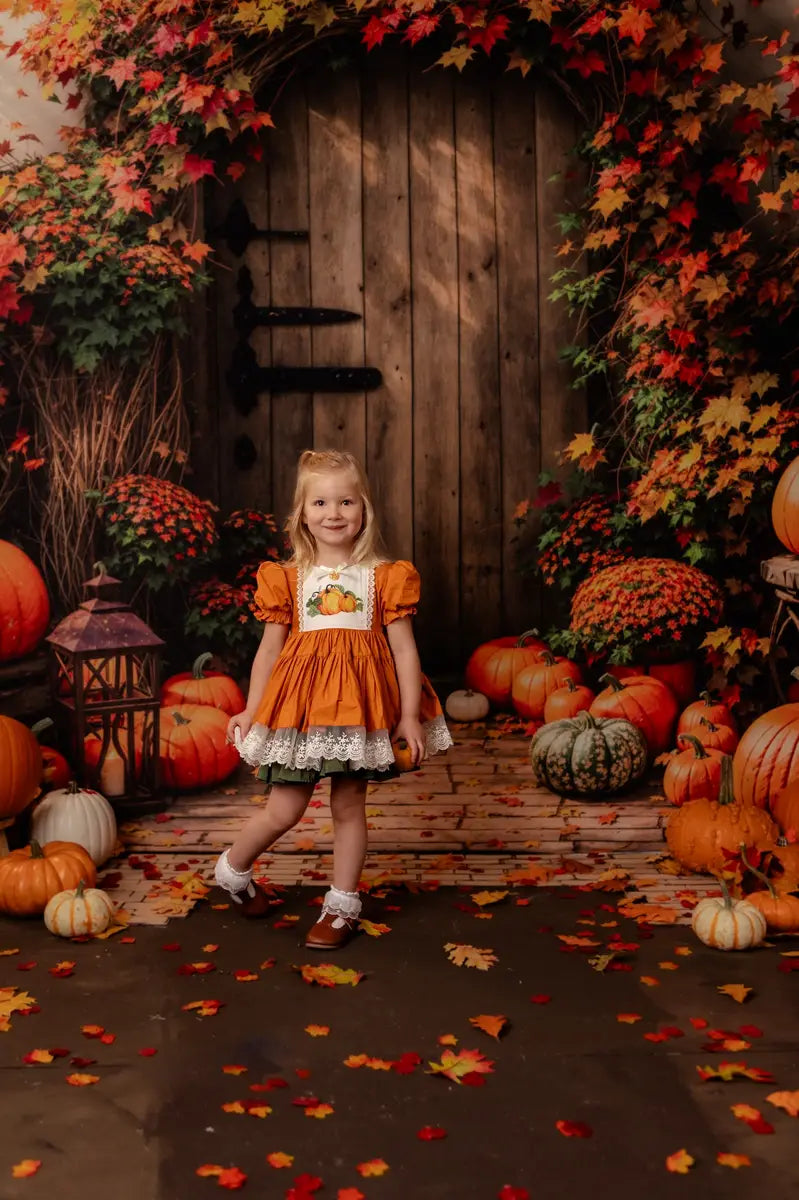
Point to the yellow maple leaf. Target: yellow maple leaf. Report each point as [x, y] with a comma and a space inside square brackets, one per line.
[789, 1101]
[458, 57]
[12, 1001]
[610, 200]
[737, 991]
[454, 1065]
[234, 1106]
[317, 1030]
[728, 93]
[26, 1168]
[374, 930]
[712, 288]
[40, 1056]
[745, 1112]
[278, 1159]
[492, 1025]
[482, 898]
[770, 201]
[463, 955]
[234, 1069]
[519, 62]
[329, 975]
[680, 1162]
[80, 1080]
[373, 1168]
[718, 639]
[763, 97]
[628, 1018]
[733, 1160]
[319, 1111]
[539, 10]
[689, 126]
[447, 1039]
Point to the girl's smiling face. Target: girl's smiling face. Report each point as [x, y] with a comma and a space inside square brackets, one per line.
[333, 512]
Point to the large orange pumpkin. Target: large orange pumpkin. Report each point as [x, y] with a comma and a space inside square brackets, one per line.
[24, 604]
[767, 756]
[785, 507]
[707, 709]
[646, 702]
[20, 767]
[567, 701]
[494, 665]
[536, 682]
[784, 808]
[31, 876]
[679, 676]
[199, 686]
[194, 750]
[698, 832]
[693, 772]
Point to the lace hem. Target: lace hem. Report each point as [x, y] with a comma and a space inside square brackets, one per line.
[350, 744]
[341, 904]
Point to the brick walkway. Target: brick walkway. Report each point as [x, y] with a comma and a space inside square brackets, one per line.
[470, 817]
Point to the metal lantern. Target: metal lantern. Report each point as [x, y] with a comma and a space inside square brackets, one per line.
[105, 680]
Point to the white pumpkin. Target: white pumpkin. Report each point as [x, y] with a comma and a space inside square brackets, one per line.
[466, 705]
[727, 924]
[78, 911]
[74, 814]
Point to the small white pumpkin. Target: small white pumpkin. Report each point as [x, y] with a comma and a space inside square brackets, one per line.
[78, 911]
[74, 814]
[727, 924]
[466, 705]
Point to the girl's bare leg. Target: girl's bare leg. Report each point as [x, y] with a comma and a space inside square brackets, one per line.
[286, 804]
[348, 806]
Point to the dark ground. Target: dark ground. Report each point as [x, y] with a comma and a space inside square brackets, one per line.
[142, 1131]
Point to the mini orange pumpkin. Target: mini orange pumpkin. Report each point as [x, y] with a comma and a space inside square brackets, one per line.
[567, 701]
[778, 906]
[705, 708]
[693, 772]
[494, 665]
[33, 875]
[536, 682]
[403, 756]
[716, 737]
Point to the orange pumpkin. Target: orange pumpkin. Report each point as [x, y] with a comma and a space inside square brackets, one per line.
[646, 702]
[693, 772]
[56, 771]
[716, 737]
[403, 755]
[20, 767]
[699, 831]
[31, 876]
[785, 507]
[24, 603]
[778, 906]
[567, 701]
[493, 666]
[536, 682]
[767, 756]
[199, 686]
[705, 708]
[194, 750]
[785, 808]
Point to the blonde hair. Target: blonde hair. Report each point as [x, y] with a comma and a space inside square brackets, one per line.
[368, 548]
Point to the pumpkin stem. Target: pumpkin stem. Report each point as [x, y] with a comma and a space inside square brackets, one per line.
[72, 787]
[40, 726]
[79, 890]
[708, 724]
[570, 684]
[699, 749]
[755, 871]
[547, 657]
[199, 663]
[530, 633]
[35, 849]
[179, 719]
[708, 699]
[725, 891]
[726, 792]
[612, 682]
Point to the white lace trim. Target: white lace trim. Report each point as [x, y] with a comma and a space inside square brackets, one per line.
[344, 905]
[350, 744]
[229, 878]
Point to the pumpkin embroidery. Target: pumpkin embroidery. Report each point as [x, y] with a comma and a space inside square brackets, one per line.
[331, 600]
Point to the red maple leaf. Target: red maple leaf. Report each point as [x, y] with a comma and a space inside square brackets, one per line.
[195, 167]
[163, 134]
[164, 41]
[421, 27]
[588, 64]
[374, 31]
[122, 70]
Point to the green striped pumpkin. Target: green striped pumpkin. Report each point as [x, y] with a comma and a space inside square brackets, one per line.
[588, 756]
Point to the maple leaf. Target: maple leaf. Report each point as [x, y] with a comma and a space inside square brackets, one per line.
[738, 991]
[680, 1162]
[461, 1064]
[195, 168]
[79, 1080]
[628, 1018]
[458, 57]
[231, 1178]
[727, 1071]
[492, 1025]
[122, 70]
[463, 955]
[610, 200]
[208, 1170]
[789, 1101]
[278, 1159]
[752, 1117]
[37, 1056]
[634, 23]
[733, 1160]
[577, 1129]
[374, 1168]
[431, 1133]
[329, 975]
[26, 1168]
[374, 930]
[483, 898]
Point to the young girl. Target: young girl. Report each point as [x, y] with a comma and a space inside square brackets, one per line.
[335, 677]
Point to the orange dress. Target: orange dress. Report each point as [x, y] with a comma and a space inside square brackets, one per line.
[333, 692]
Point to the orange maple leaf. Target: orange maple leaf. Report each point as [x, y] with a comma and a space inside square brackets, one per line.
[680, 1162]
[789, 1101]
[26, 1168]
[278, 1159]
[374, 1167]
[733, 1160]
[456, 1066]
[78, 1080]
[492, 1025]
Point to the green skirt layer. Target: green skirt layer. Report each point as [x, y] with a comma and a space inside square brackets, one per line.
[275, 773]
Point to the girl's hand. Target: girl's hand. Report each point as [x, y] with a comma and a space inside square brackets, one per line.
[242, 721]
[411, 730]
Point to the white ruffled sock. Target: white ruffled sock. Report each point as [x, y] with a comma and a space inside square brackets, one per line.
[342, 906]
[232, 881]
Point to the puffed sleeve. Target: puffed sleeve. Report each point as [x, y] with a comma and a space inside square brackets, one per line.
[272, 600]
[400, 586]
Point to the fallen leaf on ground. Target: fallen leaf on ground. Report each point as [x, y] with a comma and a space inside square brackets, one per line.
[234, 1069]
[463, 1066]
[738, 991]
[628, 1018]
[62, 970]
[26, 1168]
[147, 1051]
[231, 1178]
[4, 953]
[577, 1129]
[245, 976]
[650, 981]
[735, 1070]
[350, 1194]
[789, 1101]
[680, 1162]
[463, 955]
[78, 1080]
[492, 1025]
[733, 1160]
[317, 1030]
[211, 948]
[483, 898]
[92, 1031]
[320, 1111]
[431, 1133]
[329, 975]
[578, 939]
[374, 1167]
[204, 1008]
[540, 998]
[278, 1159]
[34, 1057]
[209, 1169]
[752, 1117]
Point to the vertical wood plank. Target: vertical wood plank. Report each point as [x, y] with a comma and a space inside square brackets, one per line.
[229, 419]
[334, 149]
[434, 256]
[292, 415]
[563, 409]
[480, 466]
[518, 300]
[387, 297]
[198, 351]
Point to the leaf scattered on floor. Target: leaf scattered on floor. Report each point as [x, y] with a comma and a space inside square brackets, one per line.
[680, 1162]
[26, 1168]
[737, 991]
[463, 955]
[733, 1160]
[492, 1025]
[463, 1066]
[577, 1129]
